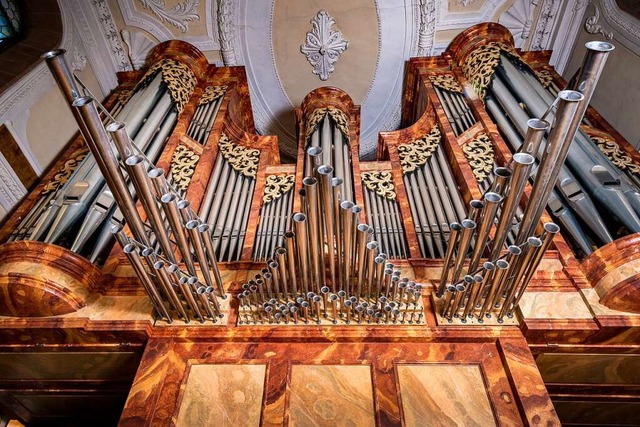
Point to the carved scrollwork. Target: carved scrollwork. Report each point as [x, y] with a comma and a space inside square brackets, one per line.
[243, 160]
[183, 165]
[178, 15]
[380, 183]
[276, 186]
[124, 96]
[211, 93]
[545, 77]
[618, 157]
[446, 82]
[481, 63]
[339, 119]
[479, 154]
[323, 45]
[414, 155]
[63, 174]
[179, 79]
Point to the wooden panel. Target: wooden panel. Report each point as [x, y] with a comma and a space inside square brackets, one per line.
[589, 368]
[435, 392]
[590, 413]
[331, 395]
[222, 395]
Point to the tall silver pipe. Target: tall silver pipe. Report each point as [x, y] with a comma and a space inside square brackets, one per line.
[325, 173]
[289, 241]
[492, 202]
[468, 228]
[495, 284]
[311, 188]
[446, 265]
[336, 184]
[205, 235]
[196, 241]
[313, 160]
[170, 207]
[347, 239]
[167, 284]
[300, 229]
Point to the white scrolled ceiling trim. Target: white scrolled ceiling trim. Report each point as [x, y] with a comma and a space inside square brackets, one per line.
[397, 33]
[626, 26]
[134, 17]
[455, 20]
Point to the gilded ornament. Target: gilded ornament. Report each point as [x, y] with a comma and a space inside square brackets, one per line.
[63, 174]
[124, 96]
[339, 118]
[380, 183]
[545, 77]
[479, 154]
[211, 93]
[446, 82]
[276, 186]
[414, 155]
[618, 157]
[242, 160]
[179, 79]
[183, 165]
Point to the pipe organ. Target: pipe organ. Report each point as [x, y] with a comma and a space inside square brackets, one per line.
[468, 241]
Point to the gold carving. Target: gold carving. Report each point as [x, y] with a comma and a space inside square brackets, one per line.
[446, 82]
[545, 77]
[618, 157]
[479, 153]
[339, 118]
[211, 93]
[65, 172]
[124, 95]
[276, 186]
[183, 165]
[416, 154]
[481, 63]
[241, 159]
[380, 183]
[179, 79]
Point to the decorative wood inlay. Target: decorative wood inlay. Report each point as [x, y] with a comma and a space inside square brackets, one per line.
[222, 395]
[446, 82]
[277, 185]
[329, 395]
[380, 183]
[339, 118]
[183, 165]
[444, 395]
[241, 159]
[63, 174]
[211, 93]
[178, 77]
[618, 157]
[414, 155]
[479, 153]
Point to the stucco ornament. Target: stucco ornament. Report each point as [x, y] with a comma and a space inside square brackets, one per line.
[178, 15]
[323, 45]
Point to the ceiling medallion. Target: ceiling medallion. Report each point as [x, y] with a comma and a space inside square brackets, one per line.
[323, 45]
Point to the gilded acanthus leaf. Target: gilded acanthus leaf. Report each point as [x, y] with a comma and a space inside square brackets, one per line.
[339, 118]
[446, 82]
[618, 157]
[64, 173]
[211, 93]
[183, 165]
[414, 155]
[479, 154]
[124, 95]
[276, 186]
[243, 160]
[179, 79]
[380, 183]
[545, 77]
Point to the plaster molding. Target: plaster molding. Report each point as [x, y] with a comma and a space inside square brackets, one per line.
[626, 27]
[446, 20]
[519, 20]
[592, 26]
[227, 16]
[544, 25]
[110, 33]
[138, 45]
[427, 27]
[178, 16]
[79, 62]
[566, 30]
[323, 45]
[11, 189]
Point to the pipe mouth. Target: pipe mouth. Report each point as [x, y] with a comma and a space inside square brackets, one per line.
[502, 264]
[134, 160]
[372, 245]
[383, 255]
[200, 290]
[147, 251]
[514, 250]
[599, 46]
[523, 158]
[53, 53]
[203, 227]
[193, 280]
[193, 224]
[489, 266]
[325, 169]
[467, 223]
[356, 209]
[81, 101]
[155, 173]
[173, 268]
[378, 260]
[336, 181]
[129, 248]
[169, 197]
[183, 280]
[183, 204]
[299, 217]
[115, 126]
[570, 95]
[455, 226]
[502, 172]
[492, 197]
[158, 265]
[551, 227]
[116, 228]
[451, 288]
[314, 151]
[289, 234]
[538, 124]
[460, 287]
[347, 205]
[534, 241]
[281, 251]
[363, 227]
[477, 278]
[273, 264]
[476, 204]
[468, 279]
[309, 181]
[267, 275]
